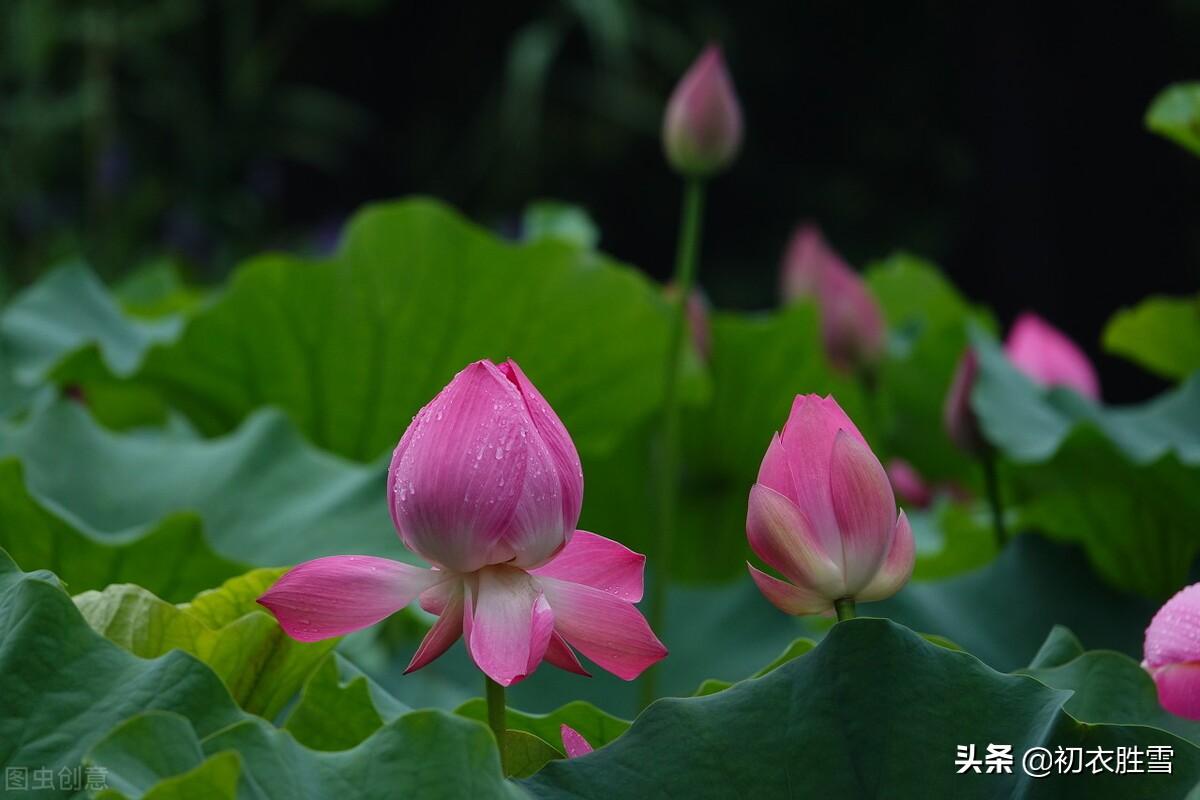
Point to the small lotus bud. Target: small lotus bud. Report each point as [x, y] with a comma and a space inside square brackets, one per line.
[702, 128]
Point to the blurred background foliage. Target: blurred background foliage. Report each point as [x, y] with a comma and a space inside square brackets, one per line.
[1004, 141]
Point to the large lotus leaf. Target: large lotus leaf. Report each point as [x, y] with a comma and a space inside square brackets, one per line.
[70, 309]
[340, 707]
[873, 711]
[170, 558]
[422, 754]
[1108, 687]
[1175, 114]
[596, 726]
[266, 496]
[1121, 481]
[262, 666]
[66, 687]
[352, 347]
[1160, 333]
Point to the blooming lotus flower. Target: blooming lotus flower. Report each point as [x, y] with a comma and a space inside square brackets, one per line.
[958, 418]
[486, 485]
[852, 324]
[573, 742]
[1172, 653]
[908, 483]
[702, 128]
[1046, 355]
[823, 514]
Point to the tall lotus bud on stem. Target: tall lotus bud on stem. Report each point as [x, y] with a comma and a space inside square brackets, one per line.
[852, 325]
[702, 129]
[1172, 653]
[962, 426]
[698, 310]
[908, 483]
[1049, 357]
[823, 514]
[958, 417]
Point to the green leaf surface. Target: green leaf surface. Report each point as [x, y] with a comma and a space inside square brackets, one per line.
[1121, 481]
[1161, 334]
[1108, 687]
[339, 707]
[548, 219]
[351, 348]
[525, 753]
[66, 687]
[1175, 114]
[873, 711]
[170, 558]
[265, 496]
[262, 666]
[927, 322]
[598, 727]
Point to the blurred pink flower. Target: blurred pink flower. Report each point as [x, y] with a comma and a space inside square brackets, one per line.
[486, 485]
[702, 127]
[1046, 355]
[573, 742]
[958, 417]
[908, 483]
[852, 324]
[1172, 653]
[823, 514]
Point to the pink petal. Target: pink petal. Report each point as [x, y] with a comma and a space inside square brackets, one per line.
[435, 598]
[1179, 688]
[780, 535]
[865, 509]
[1173, 636]
[808, 438]
[445, 631]
[807, 257]
[897, 567]
[775, 472]
[604, 628]
[573, 742]
[1049, 357]
[788, 598]
[851, 321]
[454, 482]
[560, 654]
[339, 594]
[598, 562]
[506, 626]
[557, 440]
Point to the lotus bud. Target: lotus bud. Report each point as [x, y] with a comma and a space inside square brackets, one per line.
[573, 742]
[702, 128]
[852, 324]
[1049, 357]
[697, 311]
[823, 514]
[1172, 653]
[908, 484]
[961, 424]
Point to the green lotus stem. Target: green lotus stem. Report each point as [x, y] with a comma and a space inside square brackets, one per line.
[685, 277]
[991, 482]
[497, 712]
[844, 608]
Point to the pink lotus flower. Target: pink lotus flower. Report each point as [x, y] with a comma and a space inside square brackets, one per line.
[823, 514]
[1046, 355]
[702, 128]
[486, 485]
[573, 742]
[1172, 653]
[908, 483]
[958, 418]
[852, 324]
